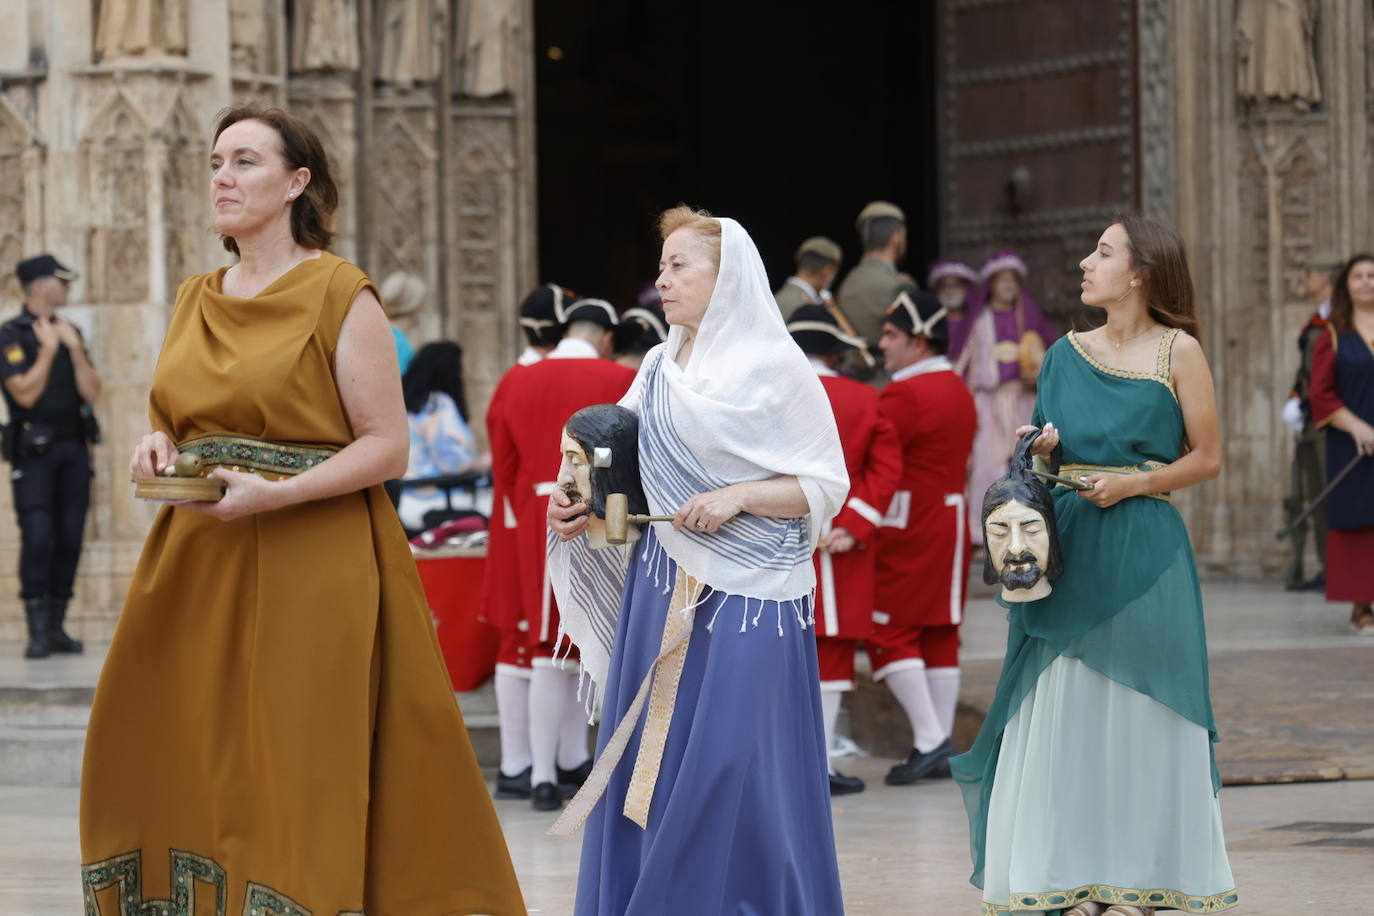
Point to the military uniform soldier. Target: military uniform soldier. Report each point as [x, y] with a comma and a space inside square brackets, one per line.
[49, 384]
[874, 283]
[818, 261]
[1309, 453]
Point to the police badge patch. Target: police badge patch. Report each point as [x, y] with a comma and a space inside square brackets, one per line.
[14, 354]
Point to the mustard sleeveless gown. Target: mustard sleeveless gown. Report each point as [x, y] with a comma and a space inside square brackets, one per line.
[274, 733]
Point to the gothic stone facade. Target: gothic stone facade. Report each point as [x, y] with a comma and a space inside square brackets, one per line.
[106, 108]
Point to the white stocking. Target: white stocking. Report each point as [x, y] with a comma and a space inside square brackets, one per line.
[830, 713]
[912, 690]
[944, 691]
[513, 713]
[572, 737]
[548, 707]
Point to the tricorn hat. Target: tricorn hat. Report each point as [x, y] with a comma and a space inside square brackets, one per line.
[817, 333]
[920, 314]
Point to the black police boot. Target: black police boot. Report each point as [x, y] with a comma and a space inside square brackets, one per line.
[845, 785]
[58, 640]
[546, 797]
[919, 765]
[517, 786]
[569, 781]
[36, 613]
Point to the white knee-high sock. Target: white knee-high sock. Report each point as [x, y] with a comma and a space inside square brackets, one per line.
[913, 691]
[548, 707]
[944, 692]
[572, 737]
[513, 714]
[830, 713]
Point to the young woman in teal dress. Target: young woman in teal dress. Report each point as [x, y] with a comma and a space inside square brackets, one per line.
[1092, 788]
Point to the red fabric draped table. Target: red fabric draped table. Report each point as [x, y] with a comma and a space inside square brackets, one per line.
[452, 578]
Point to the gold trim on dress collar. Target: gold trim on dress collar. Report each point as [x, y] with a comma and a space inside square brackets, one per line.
[1163, 361]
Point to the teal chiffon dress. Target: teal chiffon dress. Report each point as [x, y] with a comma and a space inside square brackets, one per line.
[1093, 777]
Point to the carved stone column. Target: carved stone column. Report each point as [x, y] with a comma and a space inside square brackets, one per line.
[111, 178]
[491, 222]
[1265, 169]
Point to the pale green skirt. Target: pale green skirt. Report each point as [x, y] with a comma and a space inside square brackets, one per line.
[1102, 793]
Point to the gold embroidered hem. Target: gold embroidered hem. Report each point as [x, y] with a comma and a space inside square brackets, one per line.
[240, 453]
[1105, 893]
[190, 872]
[1079, 471]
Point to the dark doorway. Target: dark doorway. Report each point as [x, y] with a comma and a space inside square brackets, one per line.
[787, 117]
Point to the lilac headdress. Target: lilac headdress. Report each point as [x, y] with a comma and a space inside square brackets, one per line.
[941, 269]
[1031, 316]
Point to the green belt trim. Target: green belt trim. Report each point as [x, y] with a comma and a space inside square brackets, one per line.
[255, 454]
[1079, 471]
[1105, 893]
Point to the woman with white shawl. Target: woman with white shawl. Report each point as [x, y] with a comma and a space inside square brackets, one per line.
[710, 792]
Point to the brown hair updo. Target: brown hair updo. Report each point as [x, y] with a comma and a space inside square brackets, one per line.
[313, 212]
[1158, 253]
[706, 227]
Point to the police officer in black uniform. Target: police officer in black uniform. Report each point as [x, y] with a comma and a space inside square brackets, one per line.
[49, 385]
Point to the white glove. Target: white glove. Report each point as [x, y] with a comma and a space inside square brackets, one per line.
[1292, 414]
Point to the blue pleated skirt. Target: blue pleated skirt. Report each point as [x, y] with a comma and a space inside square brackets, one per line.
[740, 822]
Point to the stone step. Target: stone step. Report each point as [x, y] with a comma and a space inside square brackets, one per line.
[45, 707]
[43, 732]
[37, 756]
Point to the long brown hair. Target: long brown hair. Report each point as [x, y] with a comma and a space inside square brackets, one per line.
[1342, 306]
[1158, 253]
[313, 212]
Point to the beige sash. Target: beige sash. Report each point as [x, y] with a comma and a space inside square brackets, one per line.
[659, 688]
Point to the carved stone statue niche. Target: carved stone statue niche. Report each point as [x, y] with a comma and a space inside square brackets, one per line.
[324, 35]
[1019, 531]
[600, 450]
[1274, 52]
[140, 28]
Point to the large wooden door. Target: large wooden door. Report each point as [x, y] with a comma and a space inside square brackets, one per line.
[1038, 142]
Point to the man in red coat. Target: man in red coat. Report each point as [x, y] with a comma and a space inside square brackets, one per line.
[541, 318]
[845, 577]
[535, 403]
[923, 546]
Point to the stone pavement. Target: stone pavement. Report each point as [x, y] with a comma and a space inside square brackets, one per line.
[1305, 848]
[1293, 691]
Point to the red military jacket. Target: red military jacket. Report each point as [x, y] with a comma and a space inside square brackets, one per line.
[534, 403]
[923, 545]
[845, 582]
[501, 579]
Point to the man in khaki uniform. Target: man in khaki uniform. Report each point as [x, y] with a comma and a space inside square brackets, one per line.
[1309, 454]
[874, 284]
[818, 263]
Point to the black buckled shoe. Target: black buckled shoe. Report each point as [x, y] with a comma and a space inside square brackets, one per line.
[58, 640]
[517, 786]
[36, 616]
[845, 785]
[546, 797]
[918, 765]
[569, 781]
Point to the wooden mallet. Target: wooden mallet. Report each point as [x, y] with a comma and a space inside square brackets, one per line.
[619, 519]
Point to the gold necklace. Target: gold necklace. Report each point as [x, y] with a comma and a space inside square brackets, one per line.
[1131, 338]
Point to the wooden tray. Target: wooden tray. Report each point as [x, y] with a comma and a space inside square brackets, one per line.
[188, 489]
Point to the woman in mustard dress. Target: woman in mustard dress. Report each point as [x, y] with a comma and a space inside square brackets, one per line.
[273, 734]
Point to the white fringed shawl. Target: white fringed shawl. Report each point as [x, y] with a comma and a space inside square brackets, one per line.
[748, 406]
